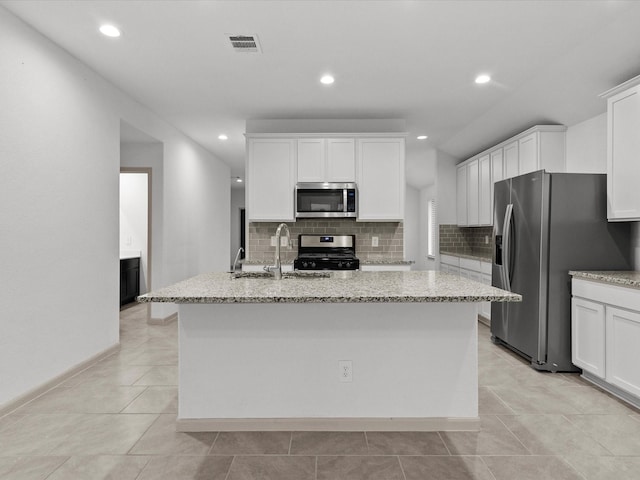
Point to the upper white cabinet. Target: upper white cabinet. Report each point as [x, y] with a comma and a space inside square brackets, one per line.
[539, 148]
[380, 179]
[326, 160]
[271, 176]
[623, 151]
[461, 195]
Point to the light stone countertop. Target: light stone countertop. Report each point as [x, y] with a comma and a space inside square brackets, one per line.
[625, 278]
[338, 287]
[362, 262]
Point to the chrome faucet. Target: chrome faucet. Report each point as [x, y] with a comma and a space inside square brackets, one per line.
[235, 262]
[277, 268]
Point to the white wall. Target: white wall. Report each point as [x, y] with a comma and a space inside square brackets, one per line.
[133, 220]
[587, 146]
[59, 176]
[237, 202]
[411, 225]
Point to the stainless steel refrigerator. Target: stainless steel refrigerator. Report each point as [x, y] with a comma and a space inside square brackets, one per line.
[544, 225]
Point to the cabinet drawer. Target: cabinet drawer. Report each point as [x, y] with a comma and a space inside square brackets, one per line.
[450, 260]
[624, 297]
[623, 349]
[469, 264]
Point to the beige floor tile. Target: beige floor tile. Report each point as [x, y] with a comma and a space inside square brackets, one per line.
[552, 435]
[251, 443]
[155, 400]
[29, 468]
[591, 400]
[445, 468]
[104, 434]
[100, 467]
[490, 404]
[620, 434]
[272, 468]
[186, 468]
[405, 443]
[492, 439]
[167, 375]
[359, 468]
[328, 443]
[156, 356]
[605, 468]
[530, 468]
[83, 399]
[104, 374]
[162, 439]
[37, 434]
[533, 399]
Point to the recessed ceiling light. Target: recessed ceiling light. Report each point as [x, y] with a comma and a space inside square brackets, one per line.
[327, 79]
[421, 137]
[238, 180]
[222, 136]
[109, 31]
[483, 78]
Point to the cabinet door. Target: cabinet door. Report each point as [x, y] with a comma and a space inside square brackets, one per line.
[271, 174]
[497, 172]
[311, 160]
[381, 180]
[623, 145]
[485, 194]
[510, 159]
[588, 336]
[473, 193]
[461, 195]
[341, 160]
[528, 154]
[623, 349]
[485, 307]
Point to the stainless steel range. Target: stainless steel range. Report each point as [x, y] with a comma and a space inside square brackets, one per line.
[326, 252]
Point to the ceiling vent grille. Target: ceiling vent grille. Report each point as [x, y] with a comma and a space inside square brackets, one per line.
[245, 43]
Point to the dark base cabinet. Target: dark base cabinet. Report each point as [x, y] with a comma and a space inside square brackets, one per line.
[129, 280]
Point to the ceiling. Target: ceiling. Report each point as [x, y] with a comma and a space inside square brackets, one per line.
[411, 60]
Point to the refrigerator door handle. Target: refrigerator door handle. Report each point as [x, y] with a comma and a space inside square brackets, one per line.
[506, 255]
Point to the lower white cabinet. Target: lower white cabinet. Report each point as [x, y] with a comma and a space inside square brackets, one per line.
[605, 336]
[395, 267]
[588, 335]
[473, 269]
[623, 349]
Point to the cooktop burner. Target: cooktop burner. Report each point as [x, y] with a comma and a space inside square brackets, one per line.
[326, 252]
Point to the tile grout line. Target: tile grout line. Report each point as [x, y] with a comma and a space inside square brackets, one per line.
[586, 434]
[513, 434]
[404, 476]
[212, 444]
[444, 443]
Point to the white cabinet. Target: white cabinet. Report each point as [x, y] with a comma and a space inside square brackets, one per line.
[461, 195]
[623, 151]
[485, 191]
[623, 349]
[605, 336]
[450, 264]
[326, 160]
[473, 269]
[396, 267]
[511, 166]
[271, 175]
[540, 148]
[380, 178]
[588, 335]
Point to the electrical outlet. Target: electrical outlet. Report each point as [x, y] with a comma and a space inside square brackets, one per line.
[486, 239]
[273, 240]
[374, 241]
[284, 242]
[345, 370]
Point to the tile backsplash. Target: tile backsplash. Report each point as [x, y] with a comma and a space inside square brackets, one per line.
[466, 240]
[390, 238]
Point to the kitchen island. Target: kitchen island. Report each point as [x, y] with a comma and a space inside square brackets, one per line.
[348, 351]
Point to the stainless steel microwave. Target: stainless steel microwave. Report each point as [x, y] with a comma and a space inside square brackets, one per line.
[326, 200]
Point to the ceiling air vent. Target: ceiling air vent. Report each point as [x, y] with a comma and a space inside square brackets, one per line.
[245, 43]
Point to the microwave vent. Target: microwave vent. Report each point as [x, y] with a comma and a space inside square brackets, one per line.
[245, 43]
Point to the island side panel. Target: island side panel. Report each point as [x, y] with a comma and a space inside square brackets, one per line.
[280, 361]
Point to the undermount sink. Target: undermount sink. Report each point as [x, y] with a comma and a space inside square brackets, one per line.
[284, 275]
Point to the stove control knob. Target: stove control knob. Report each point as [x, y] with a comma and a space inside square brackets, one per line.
[347, 264]
[304, 264]
[313, 264]
[339, 264]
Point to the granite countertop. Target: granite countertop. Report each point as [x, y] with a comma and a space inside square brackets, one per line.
[626, 278]
[337, 287]
[471, 256]
[362, 262]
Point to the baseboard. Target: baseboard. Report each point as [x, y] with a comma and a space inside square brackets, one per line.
[484, 320]
[163, 321]
[12, 405]
[612, 389]
[435, 424]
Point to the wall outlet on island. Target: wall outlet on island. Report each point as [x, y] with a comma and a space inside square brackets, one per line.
[486, 239]
[345, 370]
[374, 241]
